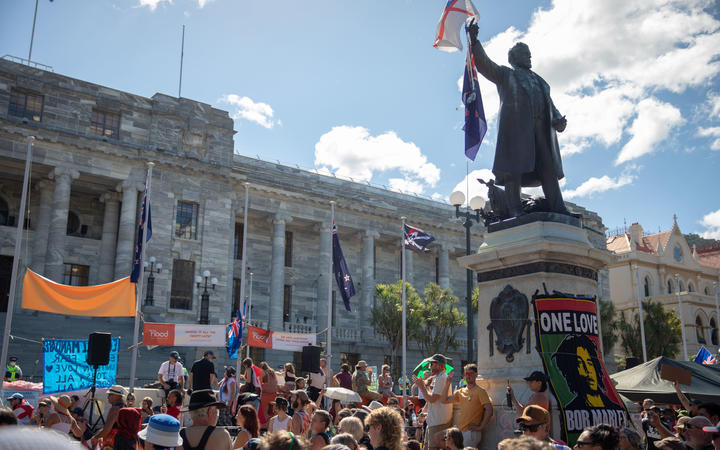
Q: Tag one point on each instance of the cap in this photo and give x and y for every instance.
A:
(534, 415)
(536, 376)
(116, 389)
(12, 358)
(209, 352)
(438, 358)
(175, 355)
(16, 395)
(203, 399)
(714, 429)
(362, 363)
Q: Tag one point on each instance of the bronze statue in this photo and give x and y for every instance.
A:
(527, 152)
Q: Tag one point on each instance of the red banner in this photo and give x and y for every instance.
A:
(278, 340)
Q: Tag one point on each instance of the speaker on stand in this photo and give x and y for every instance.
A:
(311, 359)
(98, 354)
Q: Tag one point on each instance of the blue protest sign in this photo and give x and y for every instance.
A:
(65, 368)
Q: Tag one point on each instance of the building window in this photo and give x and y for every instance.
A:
(681, 286)
(699, 330)
(713, 332)
(707, 290)
(647, 286)
(76, 275)
(26, 105)
(237, 303)
(287, 302)
(288, 248)
(186, 220)
(104, 123)
(73, 223)
(4, 212)
(670, 287)
(181, 291)
(437, 270)
(239, 228)
(691, 288)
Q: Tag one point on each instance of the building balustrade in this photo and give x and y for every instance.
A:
(347, 334)
(298, 327)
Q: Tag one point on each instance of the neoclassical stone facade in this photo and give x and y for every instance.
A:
(91, 148)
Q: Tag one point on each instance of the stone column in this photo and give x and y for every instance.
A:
(662, 282)
(126, 231)
(409, 272)
(55, 257)
(324, 268)
(368, 283)
(277, 272)
(444, 266)
(42, 227)
(109, 236)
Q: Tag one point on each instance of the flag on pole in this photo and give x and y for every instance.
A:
(340, 269)
(705, 357)
(417, 239)
(475, 122)
(454, 15)
(235, 331)
(137, 262)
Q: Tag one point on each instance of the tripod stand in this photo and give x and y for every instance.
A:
(92, 426)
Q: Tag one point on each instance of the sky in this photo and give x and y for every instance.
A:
(355, 89)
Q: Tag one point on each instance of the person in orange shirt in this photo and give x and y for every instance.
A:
(474, 408)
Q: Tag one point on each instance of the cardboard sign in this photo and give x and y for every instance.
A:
(65, 367)
(182, 335)
(673, 373)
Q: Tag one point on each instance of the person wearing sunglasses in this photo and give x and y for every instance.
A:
(598, 437)
(714, 434)
(535, 422)
(697, 437)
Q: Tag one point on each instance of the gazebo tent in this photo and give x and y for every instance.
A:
(643, 381)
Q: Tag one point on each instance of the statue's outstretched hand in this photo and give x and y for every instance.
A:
(560, 124)
(472, 28)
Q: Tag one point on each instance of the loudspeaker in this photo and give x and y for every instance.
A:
(311, 359)
(99, 345)
(631, 362)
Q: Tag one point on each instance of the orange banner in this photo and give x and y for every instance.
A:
(116, 299)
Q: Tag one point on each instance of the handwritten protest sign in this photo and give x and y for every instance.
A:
(65, 367)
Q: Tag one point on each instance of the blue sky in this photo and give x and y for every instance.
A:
(356, 89)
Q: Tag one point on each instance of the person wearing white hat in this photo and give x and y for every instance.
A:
(116, 397)
(162, 431)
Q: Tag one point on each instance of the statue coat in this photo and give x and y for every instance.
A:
(515, 150)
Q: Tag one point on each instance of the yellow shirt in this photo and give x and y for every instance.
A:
(470, 402)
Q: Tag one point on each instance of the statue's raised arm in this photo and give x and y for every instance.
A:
(483, 63)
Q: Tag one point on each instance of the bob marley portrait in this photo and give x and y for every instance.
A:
(577, 359)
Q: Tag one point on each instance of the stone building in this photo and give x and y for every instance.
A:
(662, 267)
(89, 163)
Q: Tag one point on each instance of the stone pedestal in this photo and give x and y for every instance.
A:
(540, 251)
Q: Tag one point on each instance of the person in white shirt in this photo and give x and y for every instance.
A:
(170, 374)
(439, 415)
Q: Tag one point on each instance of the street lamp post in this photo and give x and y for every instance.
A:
(205, 298)
(153, 268)
(457, 198)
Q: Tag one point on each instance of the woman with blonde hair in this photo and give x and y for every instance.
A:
(352, 426)
(385, 429)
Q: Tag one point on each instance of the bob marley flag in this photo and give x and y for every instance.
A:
(568, 342)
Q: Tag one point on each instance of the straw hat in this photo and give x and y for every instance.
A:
(61, 404)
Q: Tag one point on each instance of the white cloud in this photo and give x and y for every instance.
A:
(711, 132)
(351, 152)
(595, 185)
(471, 187)
(246, 108)
(152, 4)
(652, 125)
(711, 222)
(202, 3)
(603, 59)
(714, 105)
(438, 197)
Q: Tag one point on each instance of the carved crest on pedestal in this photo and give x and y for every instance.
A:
(508, 319)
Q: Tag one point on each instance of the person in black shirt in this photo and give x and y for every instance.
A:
(202, 374)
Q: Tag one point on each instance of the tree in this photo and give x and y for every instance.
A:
(608, 325)
(663, 334)
(386, 315)
(440, 318)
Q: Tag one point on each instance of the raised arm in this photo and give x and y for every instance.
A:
(683, 399)
(483, 63)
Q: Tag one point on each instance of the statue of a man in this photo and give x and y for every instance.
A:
(527, 152)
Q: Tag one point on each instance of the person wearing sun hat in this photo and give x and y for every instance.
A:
(116, 397)
(203, 410)
(61, 420)
(162, 431)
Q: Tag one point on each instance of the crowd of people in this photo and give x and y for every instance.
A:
(263, 408)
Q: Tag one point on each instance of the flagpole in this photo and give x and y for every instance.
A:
(243, 269)
(141, 278)
(248, 311)
(404, 313)
(642, 316)
(328, 349)
(16, 254)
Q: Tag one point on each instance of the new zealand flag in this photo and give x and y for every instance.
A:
(235, 331)
(340, 269)
(475, 122)
(417, 239)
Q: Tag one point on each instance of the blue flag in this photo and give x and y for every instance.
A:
(475, 122)
(137, 263)
(704, 356)
(235, 331)
(340, 269)
(417, 239)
